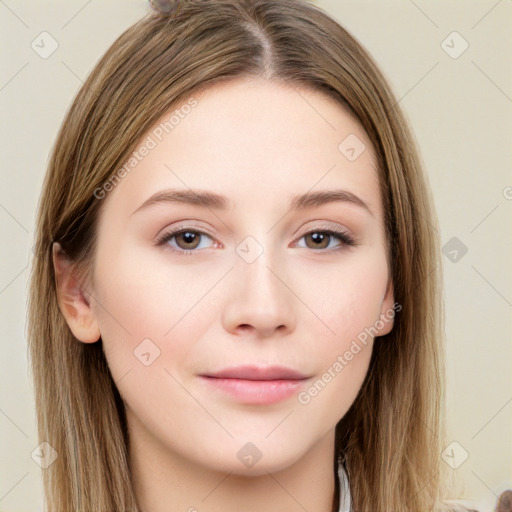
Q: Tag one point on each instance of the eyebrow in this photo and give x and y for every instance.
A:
(215, 201)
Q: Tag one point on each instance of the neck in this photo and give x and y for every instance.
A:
(165, 481)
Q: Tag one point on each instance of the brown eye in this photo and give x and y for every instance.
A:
(318, 240)
(321, 239)
(185, 241)
(190, 239)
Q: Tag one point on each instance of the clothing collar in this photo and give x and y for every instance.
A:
(345, 502)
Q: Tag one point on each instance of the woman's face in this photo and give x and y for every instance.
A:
(234, 300)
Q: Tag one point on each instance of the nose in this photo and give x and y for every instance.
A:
(260, 301)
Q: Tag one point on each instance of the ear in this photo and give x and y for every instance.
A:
(388, 310)
(74, 300)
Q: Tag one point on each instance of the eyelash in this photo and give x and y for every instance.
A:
(341, 235)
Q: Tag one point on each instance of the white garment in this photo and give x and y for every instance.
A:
(345, 503)
(455, 505)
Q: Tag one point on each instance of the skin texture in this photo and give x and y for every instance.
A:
(258, 143)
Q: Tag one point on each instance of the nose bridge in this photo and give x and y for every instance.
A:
(259, 297)
(260, 277)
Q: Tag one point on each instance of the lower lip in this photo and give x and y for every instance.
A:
(260, 392)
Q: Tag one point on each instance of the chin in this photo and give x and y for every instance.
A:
(250, 459)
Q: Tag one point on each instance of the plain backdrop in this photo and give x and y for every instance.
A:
(449, 65)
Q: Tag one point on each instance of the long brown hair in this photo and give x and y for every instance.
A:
(389, 441)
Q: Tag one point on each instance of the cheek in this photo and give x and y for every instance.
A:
(347, 304)
(149, 327)
(150, 308)
(346, 298)
(330, 395)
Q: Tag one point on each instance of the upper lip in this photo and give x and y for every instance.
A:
(257, 373)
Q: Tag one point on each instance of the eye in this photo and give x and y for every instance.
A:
(183, 241)
(321, 239)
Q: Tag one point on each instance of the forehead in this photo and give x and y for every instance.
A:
(254, 141)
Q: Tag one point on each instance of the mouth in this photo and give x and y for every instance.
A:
(256, 385)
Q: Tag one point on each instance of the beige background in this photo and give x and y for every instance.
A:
(460, 109)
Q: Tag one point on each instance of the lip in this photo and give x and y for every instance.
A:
(258, 373)
(256, 385)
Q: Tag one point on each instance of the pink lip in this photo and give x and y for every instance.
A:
(256, 385)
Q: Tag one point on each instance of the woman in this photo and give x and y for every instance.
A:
(235, 300)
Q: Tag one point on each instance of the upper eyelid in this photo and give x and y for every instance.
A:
(327, 226)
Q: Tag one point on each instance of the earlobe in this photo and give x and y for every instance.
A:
(74, 300)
